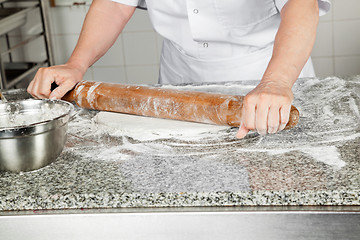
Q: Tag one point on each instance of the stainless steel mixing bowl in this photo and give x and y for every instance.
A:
(30, 147)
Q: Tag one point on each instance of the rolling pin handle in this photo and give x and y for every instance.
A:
(293, 118)
(70, 96)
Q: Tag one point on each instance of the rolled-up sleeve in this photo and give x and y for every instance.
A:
(134, 3)
(324, 5)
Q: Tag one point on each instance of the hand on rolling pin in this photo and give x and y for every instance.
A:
(102, 26)
(65, 76)
(266, 108)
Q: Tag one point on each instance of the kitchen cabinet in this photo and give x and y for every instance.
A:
(13, 15)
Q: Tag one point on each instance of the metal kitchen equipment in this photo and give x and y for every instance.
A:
(256, 223)
(13, 15)
(11, 18)
(30, 147)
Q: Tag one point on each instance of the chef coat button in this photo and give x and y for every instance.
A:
(196, 11)
(205, 45)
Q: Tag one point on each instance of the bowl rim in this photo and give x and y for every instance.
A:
(18, 128)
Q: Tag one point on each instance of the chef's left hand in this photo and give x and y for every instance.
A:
(266, 108)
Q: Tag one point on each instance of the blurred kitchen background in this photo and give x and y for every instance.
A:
(134, 58)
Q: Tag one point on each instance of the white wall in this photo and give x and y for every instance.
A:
(134, 58)
(337, 48)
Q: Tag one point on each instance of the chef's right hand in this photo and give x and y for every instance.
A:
(65, 76)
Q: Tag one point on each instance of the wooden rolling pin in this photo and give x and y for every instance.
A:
(219, 109)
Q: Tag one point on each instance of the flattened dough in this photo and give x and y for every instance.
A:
(148, 128)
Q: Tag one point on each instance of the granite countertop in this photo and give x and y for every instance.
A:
(315, 163)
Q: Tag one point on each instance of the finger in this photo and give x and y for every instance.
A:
(284, 116)
(243, 131)
(273, 119)
(262, 119)
(248, 116)
(44, 88)
(30, 87)
(34, 88)
(61, 90)
(42, 84)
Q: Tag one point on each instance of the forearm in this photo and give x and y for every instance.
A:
(103, 23)
(294, 41)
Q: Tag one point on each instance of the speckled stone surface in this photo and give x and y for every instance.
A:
(316, 163)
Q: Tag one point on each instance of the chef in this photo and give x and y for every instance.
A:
(208, 41)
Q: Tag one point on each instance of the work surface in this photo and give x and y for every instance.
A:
(315, 163)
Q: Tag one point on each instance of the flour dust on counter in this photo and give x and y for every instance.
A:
(149, 128)
(326, 120)
(314, 163)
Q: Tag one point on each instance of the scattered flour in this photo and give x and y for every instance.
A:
(148, 128)
(326, 154)
(91, 94)
(354, 107)
(329, 117)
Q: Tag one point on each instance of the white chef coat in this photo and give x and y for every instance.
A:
(216, 40)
